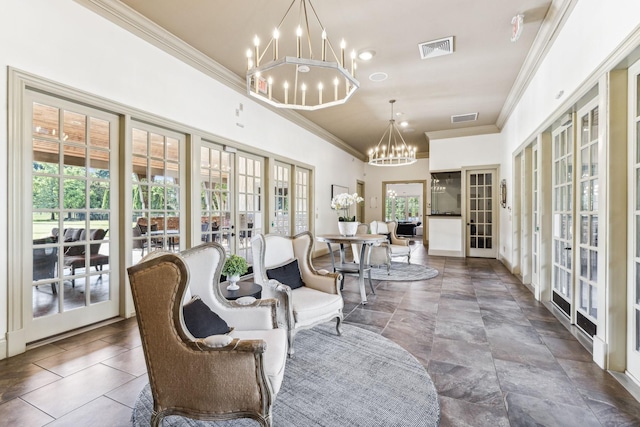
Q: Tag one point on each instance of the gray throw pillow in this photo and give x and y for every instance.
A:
(288, 274)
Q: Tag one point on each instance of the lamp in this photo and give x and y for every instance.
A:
(392, 194)
(392, 150)
(298, 79)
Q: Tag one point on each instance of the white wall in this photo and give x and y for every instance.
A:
(456, 153)
(65, 42)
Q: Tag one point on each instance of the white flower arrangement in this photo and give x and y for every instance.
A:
(342, 203)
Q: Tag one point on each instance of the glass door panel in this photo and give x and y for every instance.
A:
(281, 181)
(535, 208)
(480, 214)
(562, 228)
(156, 184)
(250, 216)
(72, 155)
(302, 203)
(587, 239)
(216, 189)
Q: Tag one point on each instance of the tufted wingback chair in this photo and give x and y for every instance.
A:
(220, 377)
(318, 301)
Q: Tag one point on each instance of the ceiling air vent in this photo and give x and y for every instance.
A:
(436, 48)
(471, 117)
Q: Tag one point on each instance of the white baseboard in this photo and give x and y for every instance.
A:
(506, 263)
(600, 352)
(3, 349)
(439, 252)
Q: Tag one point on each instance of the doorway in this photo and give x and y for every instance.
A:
(405, 202)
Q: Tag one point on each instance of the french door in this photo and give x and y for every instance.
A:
(562, 229)
(535, 220)
(250, 204)
(575, 256)
(71, 259)
(217, 219)
(633, 273)
(481, 233)
(280, 223)
(587, 209)
(157, 180)
(302, 200)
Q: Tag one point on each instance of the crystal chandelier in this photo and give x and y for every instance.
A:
(392, 150)
(298, 79)
(392, 194)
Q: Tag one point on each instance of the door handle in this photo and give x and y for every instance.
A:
(567, 248)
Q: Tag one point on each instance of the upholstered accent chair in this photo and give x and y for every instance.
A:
(315, 301)
(396, 247)
(217, 377)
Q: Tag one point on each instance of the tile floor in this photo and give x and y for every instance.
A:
(496, 356)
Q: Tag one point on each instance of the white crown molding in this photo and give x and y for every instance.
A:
(462, 132)
(558, 13)
(132, 21)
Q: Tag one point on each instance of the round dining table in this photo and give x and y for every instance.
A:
(366, 240)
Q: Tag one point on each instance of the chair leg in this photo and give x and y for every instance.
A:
(290, 336)
(338, 325)
(373, 291)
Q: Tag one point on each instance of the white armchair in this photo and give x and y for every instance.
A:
(382, 254)
(318, 301)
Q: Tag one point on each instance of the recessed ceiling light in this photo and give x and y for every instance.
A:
(366, 55)
(404, 124)
(378, 77)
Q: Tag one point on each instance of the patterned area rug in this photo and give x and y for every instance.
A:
(357, 379)
(402, 272)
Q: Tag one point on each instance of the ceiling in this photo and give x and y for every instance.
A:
(482, 75)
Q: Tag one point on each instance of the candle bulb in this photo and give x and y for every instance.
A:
(353, 62)
(355, 67)
(299, 41)
(257, 80)
(270, 81)
(286, 92)
(304, 92)
(320, 93)
(324, 45)
(342, 46)
(276, 36)
(336, 82)
(256, 43)
(249, 61)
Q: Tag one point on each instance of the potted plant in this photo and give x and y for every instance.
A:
(342, 203)
(234, 267)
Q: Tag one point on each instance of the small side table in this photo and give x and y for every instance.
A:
(247, 289)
